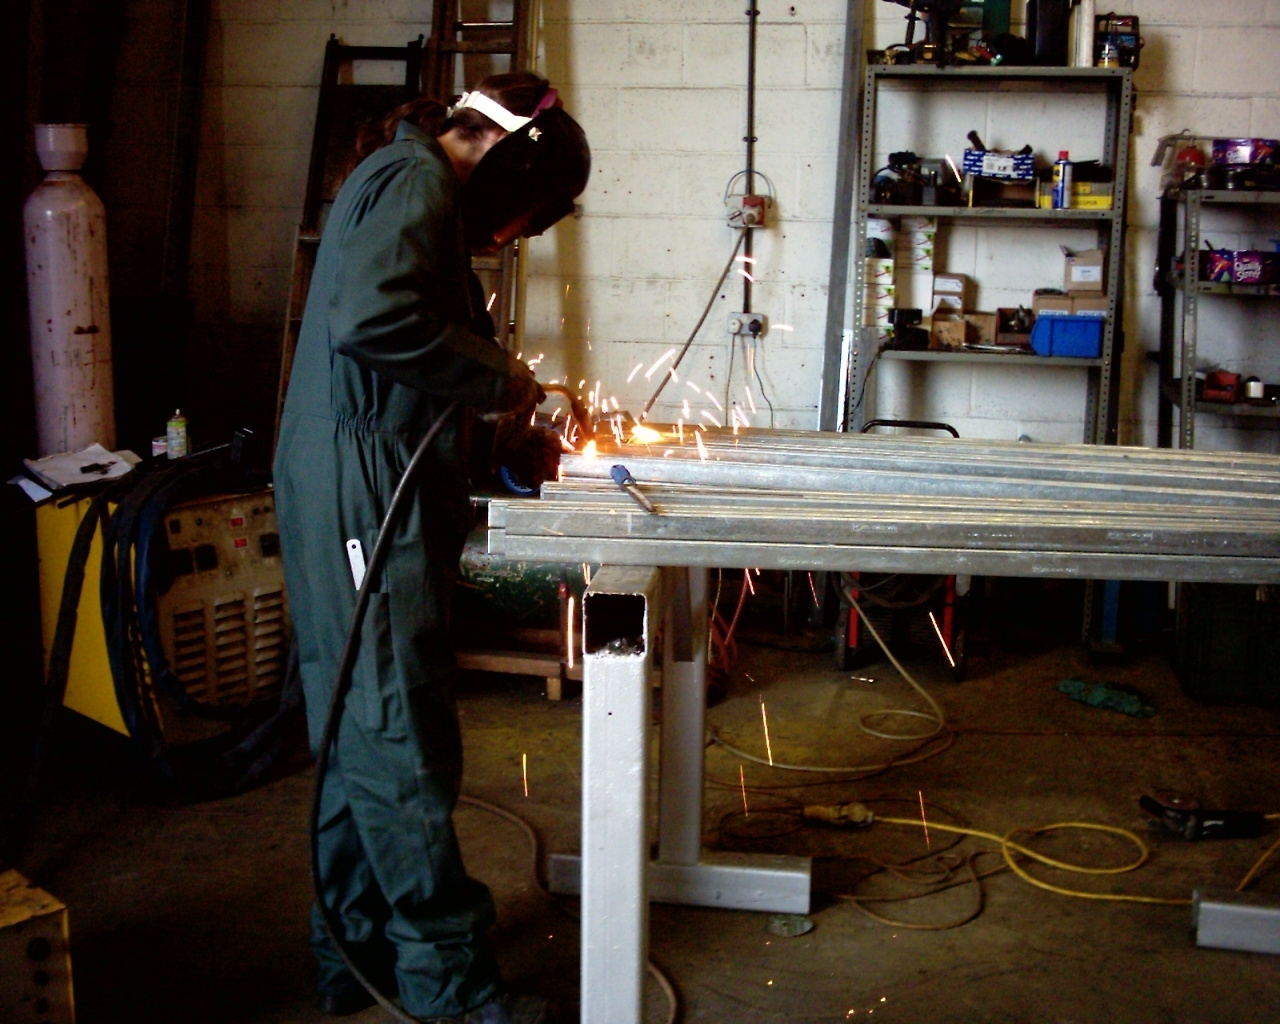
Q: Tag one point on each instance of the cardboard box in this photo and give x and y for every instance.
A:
(1085, 271)
(35, 957)
(1051, 302)
(1089, 305)
(1006, 330)
(991, 163)
(958, 331)
(950, 293)
(877, 270)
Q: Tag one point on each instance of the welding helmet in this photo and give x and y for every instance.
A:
(527, 181)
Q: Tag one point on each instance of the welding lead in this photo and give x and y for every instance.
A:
(623, 478)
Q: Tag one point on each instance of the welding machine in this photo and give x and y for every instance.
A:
(220, 609)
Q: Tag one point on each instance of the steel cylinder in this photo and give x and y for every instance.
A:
(66, 245)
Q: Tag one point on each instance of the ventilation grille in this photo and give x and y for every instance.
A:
(231, 648)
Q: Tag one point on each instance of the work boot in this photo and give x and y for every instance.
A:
(505, 1009)
(345, 1002)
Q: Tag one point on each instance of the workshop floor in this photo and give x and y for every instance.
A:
(196, 913)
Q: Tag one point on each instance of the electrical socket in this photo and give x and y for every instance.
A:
(750, 325)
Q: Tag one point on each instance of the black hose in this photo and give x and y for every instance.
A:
(341, 684)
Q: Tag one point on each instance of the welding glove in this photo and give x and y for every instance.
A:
(522, 393)
(531, 453)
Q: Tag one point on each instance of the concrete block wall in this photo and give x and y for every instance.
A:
(661, 90)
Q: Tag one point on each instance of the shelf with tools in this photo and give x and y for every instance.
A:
(1187, 276)
(925, 104)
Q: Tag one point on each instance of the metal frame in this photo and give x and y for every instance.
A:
(797, 500)
(1193, 203)
(1102, 394)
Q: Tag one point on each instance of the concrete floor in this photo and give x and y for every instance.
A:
(196, 913)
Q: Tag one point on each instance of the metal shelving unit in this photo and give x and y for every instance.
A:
(1103, 372)
(1179, 330)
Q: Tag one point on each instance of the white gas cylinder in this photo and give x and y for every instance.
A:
(66, 237)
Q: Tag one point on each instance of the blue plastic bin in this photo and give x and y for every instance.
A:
(1068, 336)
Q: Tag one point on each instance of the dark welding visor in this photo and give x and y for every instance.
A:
(527, 181)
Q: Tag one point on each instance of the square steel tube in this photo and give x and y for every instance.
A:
(621, 611)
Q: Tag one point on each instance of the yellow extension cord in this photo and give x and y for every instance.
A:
(1009, 849)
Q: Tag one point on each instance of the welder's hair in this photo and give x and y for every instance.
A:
(519, 91)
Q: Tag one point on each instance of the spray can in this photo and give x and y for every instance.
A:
(176, 434)
(1062, 182)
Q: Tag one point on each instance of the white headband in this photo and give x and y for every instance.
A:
(491, 109)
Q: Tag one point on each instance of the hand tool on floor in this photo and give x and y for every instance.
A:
(1184, 817)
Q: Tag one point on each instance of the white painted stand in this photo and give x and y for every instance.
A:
(614, 875)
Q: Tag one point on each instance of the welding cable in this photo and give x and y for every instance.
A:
(342, 684)
(696, 327)
(535, 872)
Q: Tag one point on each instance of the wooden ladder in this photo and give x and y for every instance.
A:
(342, 107)
(458, 54)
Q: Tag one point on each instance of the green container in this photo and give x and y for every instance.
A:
(1227, 642)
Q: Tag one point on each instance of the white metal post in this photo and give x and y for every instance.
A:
(684, 705)
(620, 611)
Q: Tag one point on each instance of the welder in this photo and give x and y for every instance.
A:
(394, 332)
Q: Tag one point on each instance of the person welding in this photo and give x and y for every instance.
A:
(394, 332)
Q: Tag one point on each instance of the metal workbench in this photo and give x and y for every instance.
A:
(804, 500)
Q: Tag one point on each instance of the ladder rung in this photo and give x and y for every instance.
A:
(469, 26)
(462, 46)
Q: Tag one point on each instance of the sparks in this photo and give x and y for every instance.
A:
(569, 632)
(582, 383)
(695, 387)
(744, 273)
(813, 590)
(680, 430)
(764, 717)
(783, 327)
(674, 378)
(745, 259)
(555, 412)
(524, 771)
(658, 362)
(945, 649)
(645, 435)
(533, 418)
(742, 779)
(714, 402)
(706, 413)
(702, 449)
(750, 586)
(923, 822)
(685, 411)
(586, 574)
(750, 400)
(492, 299)
(590, 450)
(636, 369)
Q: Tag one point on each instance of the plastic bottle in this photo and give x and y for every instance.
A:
(1062, 182)
(176, 435)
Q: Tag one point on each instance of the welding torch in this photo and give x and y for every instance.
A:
(576, 408)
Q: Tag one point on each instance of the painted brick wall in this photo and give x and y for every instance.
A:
(661, 91)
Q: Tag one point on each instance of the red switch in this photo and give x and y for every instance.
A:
(242, 542)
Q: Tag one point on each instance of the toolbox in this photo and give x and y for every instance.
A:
(1079, 336)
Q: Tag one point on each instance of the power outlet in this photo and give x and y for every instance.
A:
(751, 325)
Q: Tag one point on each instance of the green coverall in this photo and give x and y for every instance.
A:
(386, 343)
